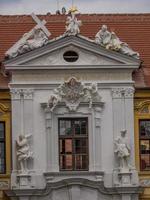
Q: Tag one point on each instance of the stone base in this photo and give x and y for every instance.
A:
(125, 178)
(24, 180)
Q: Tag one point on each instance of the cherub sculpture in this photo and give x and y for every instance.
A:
(91, 92)
(55, 98)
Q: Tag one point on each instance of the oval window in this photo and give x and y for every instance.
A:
(70, 56)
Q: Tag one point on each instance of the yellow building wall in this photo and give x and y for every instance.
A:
(141, 111)
(5, 116)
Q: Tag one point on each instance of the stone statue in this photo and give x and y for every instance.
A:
(37, 39)
(103, 37)
(122, 150)
(23, 152)
(114, 43)
(73, 25)
(55, 98)
(109, 40)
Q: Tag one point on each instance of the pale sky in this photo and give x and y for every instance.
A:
(84, 6)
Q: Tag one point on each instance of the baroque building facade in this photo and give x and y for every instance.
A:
(73, 108)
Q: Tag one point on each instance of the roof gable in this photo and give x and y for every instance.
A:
(90, 55)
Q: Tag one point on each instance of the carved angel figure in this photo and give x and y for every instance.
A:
(73, 25)
(55, 98)
(122, 150)
(91, 93)
(23, 151)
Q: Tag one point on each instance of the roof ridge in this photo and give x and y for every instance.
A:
(89, 14)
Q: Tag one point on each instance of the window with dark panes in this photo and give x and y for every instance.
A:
(73, 144)
(144, 127)
(2, 147)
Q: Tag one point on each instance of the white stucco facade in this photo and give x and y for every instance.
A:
(35, 75)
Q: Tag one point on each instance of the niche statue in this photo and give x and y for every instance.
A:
(23, 152)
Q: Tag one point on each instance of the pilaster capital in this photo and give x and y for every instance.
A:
(28, 93)
(118, 93)
(17, 93)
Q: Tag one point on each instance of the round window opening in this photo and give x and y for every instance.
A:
(70, 56)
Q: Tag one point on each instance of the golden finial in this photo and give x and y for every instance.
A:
(73, 10)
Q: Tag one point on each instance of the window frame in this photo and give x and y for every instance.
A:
(74, 137)
(143, 139)
(4, 142)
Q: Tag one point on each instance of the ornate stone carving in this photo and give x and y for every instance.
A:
(25, 93)
(73, 25)
(120, 92)
(28, 93)
(122, 151)
(109, 40)
(129, 92)
(15, 93)
(23, 152)
(37, 37)
(72, 93)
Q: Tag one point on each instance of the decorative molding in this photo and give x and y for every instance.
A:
(28, 93)
(142, 106)
(15, 93)
(81, 182)
(129, 93)
(98, 112)
(73, 92)
(3, 108)
(118, 93)
(109, 40)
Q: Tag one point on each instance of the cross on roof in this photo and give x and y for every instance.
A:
(40, 24)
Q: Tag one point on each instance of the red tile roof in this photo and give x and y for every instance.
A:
(133, 29)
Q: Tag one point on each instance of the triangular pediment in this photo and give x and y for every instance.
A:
(89, 55)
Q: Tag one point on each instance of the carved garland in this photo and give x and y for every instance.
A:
(72, 92)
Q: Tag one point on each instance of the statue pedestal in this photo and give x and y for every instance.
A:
(24, 180)
(124, 178)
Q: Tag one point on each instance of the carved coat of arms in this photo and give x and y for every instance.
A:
(72, 92)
